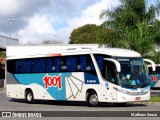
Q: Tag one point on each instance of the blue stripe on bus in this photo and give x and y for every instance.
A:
(54, 90)
(58, 94)
(91, 79)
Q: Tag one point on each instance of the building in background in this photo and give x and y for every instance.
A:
(4, 42)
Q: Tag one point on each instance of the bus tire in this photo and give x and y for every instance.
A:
(29, 97)
(92, 99)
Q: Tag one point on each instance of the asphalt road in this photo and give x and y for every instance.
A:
(8, 104)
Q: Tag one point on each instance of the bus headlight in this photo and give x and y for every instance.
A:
(120, 90)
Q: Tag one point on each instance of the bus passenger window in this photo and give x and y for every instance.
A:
(100, 62)
(83, 63)
(92, 66)
(38, 65)
(57, 64)
(49, 65)
(12, 66)
(17, 66)
(63, 64)
(71, 64)
(25, 66)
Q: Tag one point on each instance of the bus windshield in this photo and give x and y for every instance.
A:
(133, 73)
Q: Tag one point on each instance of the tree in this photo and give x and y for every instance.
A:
(135, 25)
(156, 32)
(107, 36)
(141, 38)
(131, 12)
(84, 35)
(132, 25)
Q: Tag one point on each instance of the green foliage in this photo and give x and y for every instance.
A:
(156, 32)
(155, 57)
(131, 12)
(84, 35)
(130, 25)
(154, 99)
(108, 36)
(135, 25)
(2, 54)
(140, 38)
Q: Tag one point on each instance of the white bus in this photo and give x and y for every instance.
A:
(154, 76)
(76, 73)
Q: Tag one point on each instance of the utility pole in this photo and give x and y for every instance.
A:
(10, 22)
(54, 37)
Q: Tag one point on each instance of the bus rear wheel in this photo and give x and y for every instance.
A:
(29, 97)
(92, 99)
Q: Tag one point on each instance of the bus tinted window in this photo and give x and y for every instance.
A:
(99, 60)
(150, 70)
(107, 68)
(77, 63)
(57, 64)
(17, 65)
(154, 72)
(38, 65)
(158, 69)
(71, 63)
(23, 66)
(49, 64)
(11, 66)
(83, 63)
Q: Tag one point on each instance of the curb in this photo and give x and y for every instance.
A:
(145, 102)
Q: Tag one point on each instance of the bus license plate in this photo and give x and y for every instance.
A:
(138, 98)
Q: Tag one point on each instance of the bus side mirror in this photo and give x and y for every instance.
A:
(152, 64)
(117, 64)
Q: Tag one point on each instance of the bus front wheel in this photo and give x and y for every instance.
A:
(92, 99)
(29, 96)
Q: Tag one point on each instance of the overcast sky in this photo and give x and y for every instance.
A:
(38, 20)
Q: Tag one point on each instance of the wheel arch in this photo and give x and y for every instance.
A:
(90, 90)
(27, 89)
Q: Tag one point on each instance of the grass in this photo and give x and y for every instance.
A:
(154, 99)
(1, 54)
